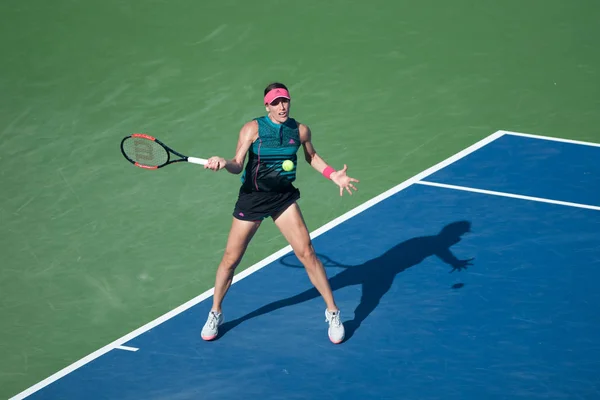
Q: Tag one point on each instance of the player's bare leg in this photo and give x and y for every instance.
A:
(240, 235)
(291, 224)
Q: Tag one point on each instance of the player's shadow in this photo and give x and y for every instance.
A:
(377, 275)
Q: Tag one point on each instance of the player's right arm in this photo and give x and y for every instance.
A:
(248, 134)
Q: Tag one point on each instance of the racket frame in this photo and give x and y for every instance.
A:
(193, 160)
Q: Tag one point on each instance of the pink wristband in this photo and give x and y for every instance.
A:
(328, 171)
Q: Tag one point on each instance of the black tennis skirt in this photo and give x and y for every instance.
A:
(256, 206)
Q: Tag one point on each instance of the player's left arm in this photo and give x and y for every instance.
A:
(310, 154)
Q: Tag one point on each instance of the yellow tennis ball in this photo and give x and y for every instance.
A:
(287, 165)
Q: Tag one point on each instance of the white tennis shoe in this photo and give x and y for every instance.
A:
(336, 328)
(211, 328)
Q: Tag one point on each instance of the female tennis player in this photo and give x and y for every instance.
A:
(271, 143)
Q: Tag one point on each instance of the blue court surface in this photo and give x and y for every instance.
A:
(521, 322)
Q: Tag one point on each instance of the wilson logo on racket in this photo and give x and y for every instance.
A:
(147, 152)
(143, 149)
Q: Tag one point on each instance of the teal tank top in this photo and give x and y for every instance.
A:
(275, 144)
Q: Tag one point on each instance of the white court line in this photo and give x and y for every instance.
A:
(119, 342)
(511, 195)
(554, 139)
(127, 348)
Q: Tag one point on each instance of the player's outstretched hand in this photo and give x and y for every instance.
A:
(215, 163)
(344, 181)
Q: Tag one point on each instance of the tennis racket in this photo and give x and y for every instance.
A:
(147, 152)
(290, 260)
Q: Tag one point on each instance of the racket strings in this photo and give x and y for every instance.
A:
(145, 152)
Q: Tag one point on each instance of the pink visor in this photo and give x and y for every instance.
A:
(275, 94)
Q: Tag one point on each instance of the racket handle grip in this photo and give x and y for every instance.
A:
(196, 160)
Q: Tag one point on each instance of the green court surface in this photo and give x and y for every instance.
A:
(93, 248)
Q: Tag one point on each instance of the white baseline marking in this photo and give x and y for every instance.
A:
(119, 342)
(579, 142)
(511, 195)
(127, 348)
